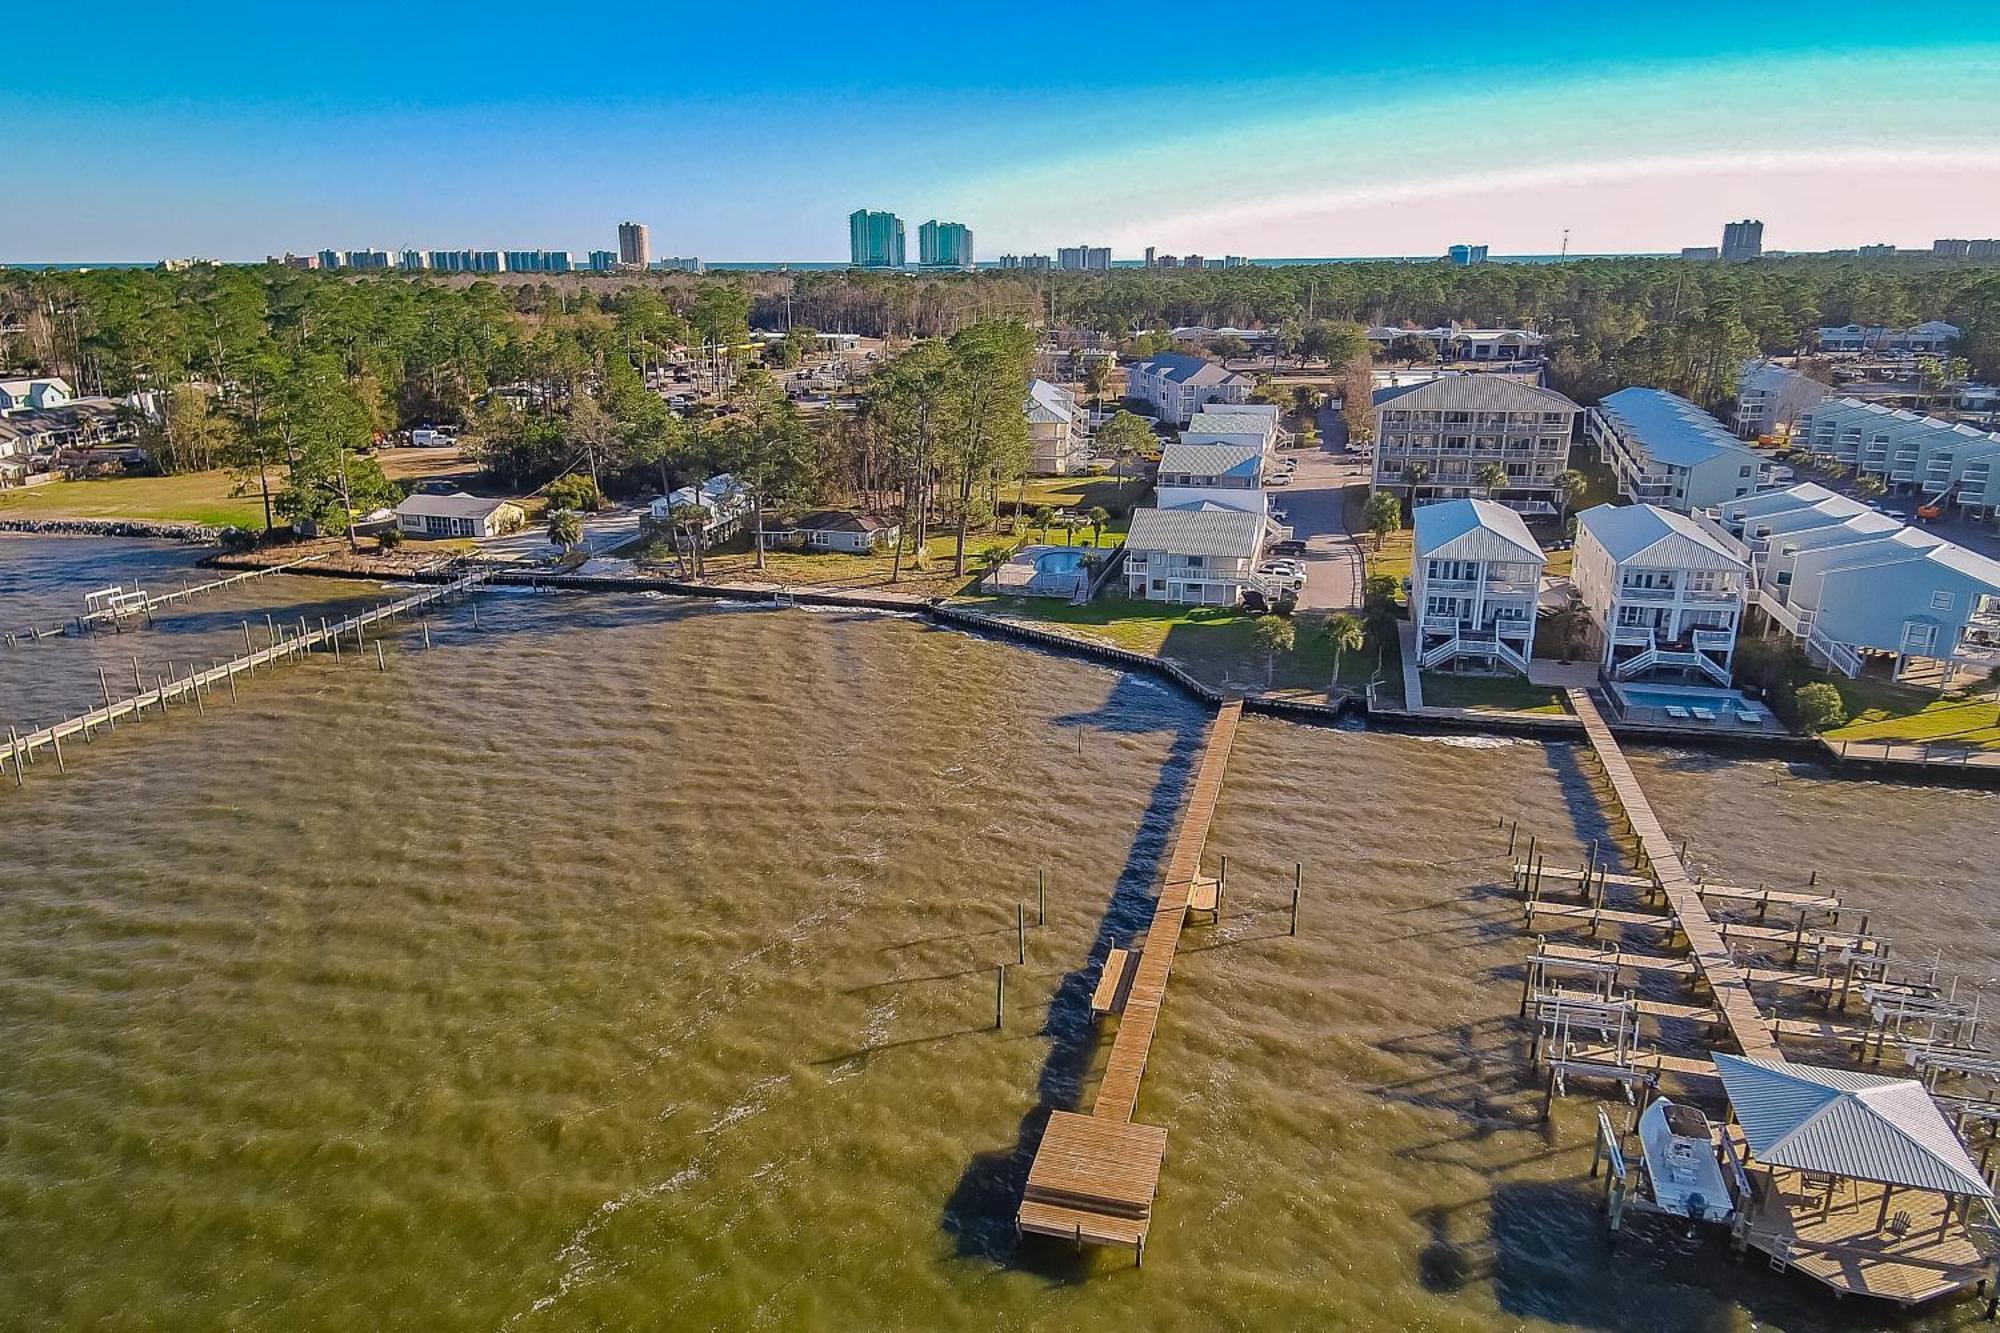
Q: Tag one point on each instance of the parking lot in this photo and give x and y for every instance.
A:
(1315, 506)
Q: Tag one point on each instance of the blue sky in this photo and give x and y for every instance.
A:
(748, 132)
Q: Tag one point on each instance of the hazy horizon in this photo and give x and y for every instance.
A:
(1339, 132)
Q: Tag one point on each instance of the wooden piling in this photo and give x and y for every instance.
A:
(61, 767)
(14, 739)
(1298, 883)
(1041, 898)
(381, 664)
(999, 996)
(1020, 932)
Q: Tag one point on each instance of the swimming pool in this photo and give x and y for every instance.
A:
(1690, 696)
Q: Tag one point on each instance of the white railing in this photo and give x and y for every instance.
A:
(1506, 653)
(1437, 653)
(1713, 640)
(1830, 653)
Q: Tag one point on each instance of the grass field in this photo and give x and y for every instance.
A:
(1506, 693)
(191, 497)
(1877, 711)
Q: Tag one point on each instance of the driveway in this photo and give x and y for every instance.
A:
(1316, 504)
(601, 532)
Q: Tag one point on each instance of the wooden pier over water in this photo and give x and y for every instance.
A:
(1662, 860)
(110, 606)
(1094, 1176)
(20, 750)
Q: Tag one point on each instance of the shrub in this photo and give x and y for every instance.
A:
(389, 538)
(1818, 706)
(574, 492)
(238, 540)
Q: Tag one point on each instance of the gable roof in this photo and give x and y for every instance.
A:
(1476, 393)
(457, 504)
(1049, 404)
(1220, 532)
(1656, 536)
(1208, 460)
(832, 520)
(1671, 429)
(1229, 423)
(1861, 1126)
(1473, 530)
(1184, 369)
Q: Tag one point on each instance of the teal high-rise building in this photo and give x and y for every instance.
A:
(874, 240)
(944, 245)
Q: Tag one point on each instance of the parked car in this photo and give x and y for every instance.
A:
(1282, 479)
(1281, 516)
(1288, 548)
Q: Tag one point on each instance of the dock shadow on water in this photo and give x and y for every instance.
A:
(979, 1214)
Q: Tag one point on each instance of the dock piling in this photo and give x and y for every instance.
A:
(381, 664)
(1020, 932)
(1298, 883)
(1041, 898)
(999, 996)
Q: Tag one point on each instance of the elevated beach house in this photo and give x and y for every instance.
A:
(1206, 555)
(1666, 451)
(1664, 592)
(1212, 476)
(1058, 430)
(1473, 585)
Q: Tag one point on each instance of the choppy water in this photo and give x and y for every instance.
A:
(629, 963)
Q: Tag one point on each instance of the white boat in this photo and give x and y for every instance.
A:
(1681, 1163)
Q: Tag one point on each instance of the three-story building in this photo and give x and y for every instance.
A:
(1664, 592)
(1474, 581)
(1436, 440)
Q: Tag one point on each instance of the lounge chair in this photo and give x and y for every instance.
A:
(1677, 713)
(1703, 714)
(1750, 717)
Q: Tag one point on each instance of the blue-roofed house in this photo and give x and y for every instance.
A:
(1474, 581)
(1175, 386)
(1666, 451)
(1664, 591)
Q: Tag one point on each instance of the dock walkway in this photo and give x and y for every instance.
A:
(1661, 859)
(1094, 1176)
(20, 750)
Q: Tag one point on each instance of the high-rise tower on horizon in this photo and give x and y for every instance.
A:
(874, 240)
(944, 245)
(635, 245)
(1742, 240)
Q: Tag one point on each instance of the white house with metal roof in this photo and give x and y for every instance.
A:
(1432, 440)
(1207, 556)
(1474, 580)
(1946, 464)
(1176, 386)
(1227, 475)
(1666, 451)
(1230, 425)
(1664, 591)
(1851, 583)
(1058, 430)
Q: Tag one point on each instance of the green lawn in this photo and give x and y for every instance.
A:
(190, 497)
(1508, 693)
(1878, 711)
(1216, 644)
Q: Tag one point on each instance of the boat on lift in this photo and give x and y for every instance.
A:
(1683, 1168)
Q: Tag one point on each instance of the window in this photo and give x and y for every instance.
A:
(1196, 561)
(1159, 585)
(1942, 600)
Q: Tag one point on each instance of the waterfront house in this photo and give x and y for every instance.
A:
(1207, 556)
(1175, 386)
(1664, 592)
(1235, 424)
(1433, 439)
(1947, 465)
(1853, 585)
(725, 500)
(1226, 476)
(457, 514)
(1666, 451)
(1474, 580)
(846, 530)
(1058, 430)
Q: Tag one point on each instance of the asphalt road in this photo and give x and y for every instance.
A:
(601, 532)
(1315, 505)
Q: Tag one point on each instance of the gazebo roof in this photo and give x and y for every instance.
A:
(1861, 1126)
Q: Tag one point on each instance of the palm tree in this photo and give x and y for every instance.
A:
(1099, 516)
(1570, 484)
(1384, 515)
(1346, 633)
(1274, 634)
(1415, 474)
(1041, 518)
(1492, 477)
(565, 529)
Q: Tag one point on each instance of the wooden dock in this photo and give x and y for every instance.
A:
(1762, 897)
(1094, 1177)
(141, 603)
(1661, 859)
(196, 685)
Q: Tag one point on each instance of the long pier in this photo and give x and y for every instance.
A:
(139, 602)
(1094, 1176)
(20, 750)
(1662, 860)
